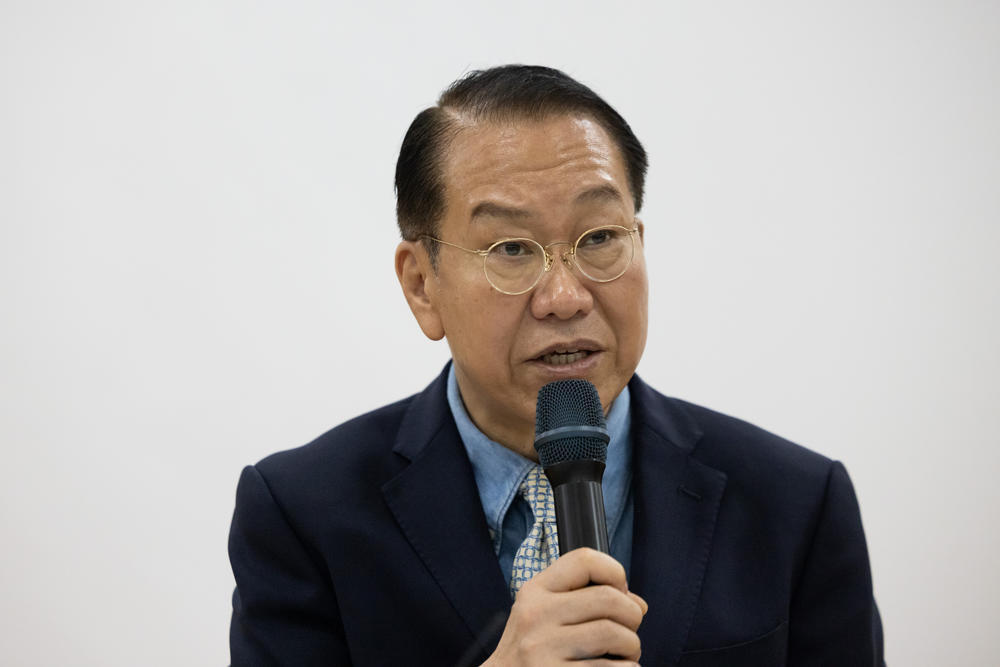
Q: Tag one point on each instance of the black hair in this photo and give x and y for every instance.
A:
(505, 93)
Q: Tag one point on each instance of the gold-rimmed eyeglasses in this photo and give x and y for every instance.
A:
(515, 265)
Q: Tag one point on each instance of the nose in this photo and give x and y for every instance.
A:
(560, 292)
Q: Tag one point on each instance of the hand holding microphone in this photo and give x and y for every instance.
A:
(579, 608)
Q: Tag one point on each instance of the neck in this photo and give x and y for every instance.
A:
(517, 437)
(518, 440)
(511, 430)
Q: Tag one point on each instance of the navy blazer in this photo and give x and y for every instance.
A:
(369, 547)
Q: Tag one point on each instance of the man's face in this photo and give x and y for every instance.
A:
(550, 181)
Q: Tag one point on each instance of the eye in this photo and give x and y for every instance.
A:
(512, 249)
(598, 237)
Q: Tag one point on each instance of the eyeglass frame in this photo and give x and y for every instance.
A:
(568, 258)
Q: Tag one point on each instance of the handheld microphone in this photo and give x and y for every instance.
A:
(571, 438)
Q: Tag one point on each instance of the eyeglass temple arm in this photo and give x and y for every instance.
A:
(481, 253)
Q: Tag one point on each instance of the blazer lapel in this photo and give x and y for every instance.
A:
(676, 503)
(436, 503)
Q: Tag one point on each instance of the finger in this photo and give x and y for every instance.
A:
(639, 601)
(582, 567)
(595, 602)
(602, 637)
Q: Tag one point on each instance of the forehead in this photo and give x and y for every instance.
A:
(531, 164)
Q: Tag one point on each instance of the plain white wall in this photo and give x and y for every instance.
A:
(196, 238)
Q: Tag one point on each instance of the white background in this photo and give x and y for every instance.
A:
(196, 238)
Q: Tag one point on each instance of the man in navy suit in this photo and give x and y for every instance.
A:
(390, 540)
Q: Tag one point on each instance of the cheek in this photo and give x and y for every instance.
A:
(632, 316)
(481, 329)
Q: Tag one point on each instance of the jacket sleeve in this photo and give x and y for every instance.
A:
(833, 618)
(284, 608)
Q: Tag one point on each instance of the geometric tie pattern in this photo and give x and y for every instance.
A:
(541, 547)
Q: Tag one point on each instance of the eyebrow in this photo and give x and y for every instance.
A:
(494, 210)
(599, 194)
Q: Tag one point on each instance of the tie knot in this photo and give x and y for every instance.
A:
(537, 491)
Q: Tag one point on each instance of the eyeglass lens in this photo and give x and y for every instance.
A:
(601, 254)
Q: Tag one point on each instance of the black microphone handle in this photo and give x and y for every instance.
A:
(579, 501)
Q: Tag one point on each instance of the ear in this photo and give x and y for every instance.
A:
(413, 268)
(642, 229)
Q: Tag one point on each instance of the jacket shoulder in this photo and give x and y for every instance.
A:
(759, 465)
(357, 451)
(737, 444)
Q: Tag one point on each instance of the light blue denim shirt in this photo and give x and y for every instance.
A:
(499, 472)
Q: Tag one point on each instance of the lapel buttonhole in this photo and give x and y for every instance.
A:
(688, 492)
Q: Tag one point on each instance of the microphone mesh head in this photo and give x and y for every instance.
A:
(569, 403)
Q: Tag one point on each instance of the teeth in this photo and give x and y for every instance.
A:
(562, 358)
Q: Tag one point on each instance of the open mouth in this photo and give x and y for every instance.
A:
(561, 358)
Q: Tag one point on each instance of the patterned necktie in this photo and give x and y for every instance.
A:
(541, 547)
